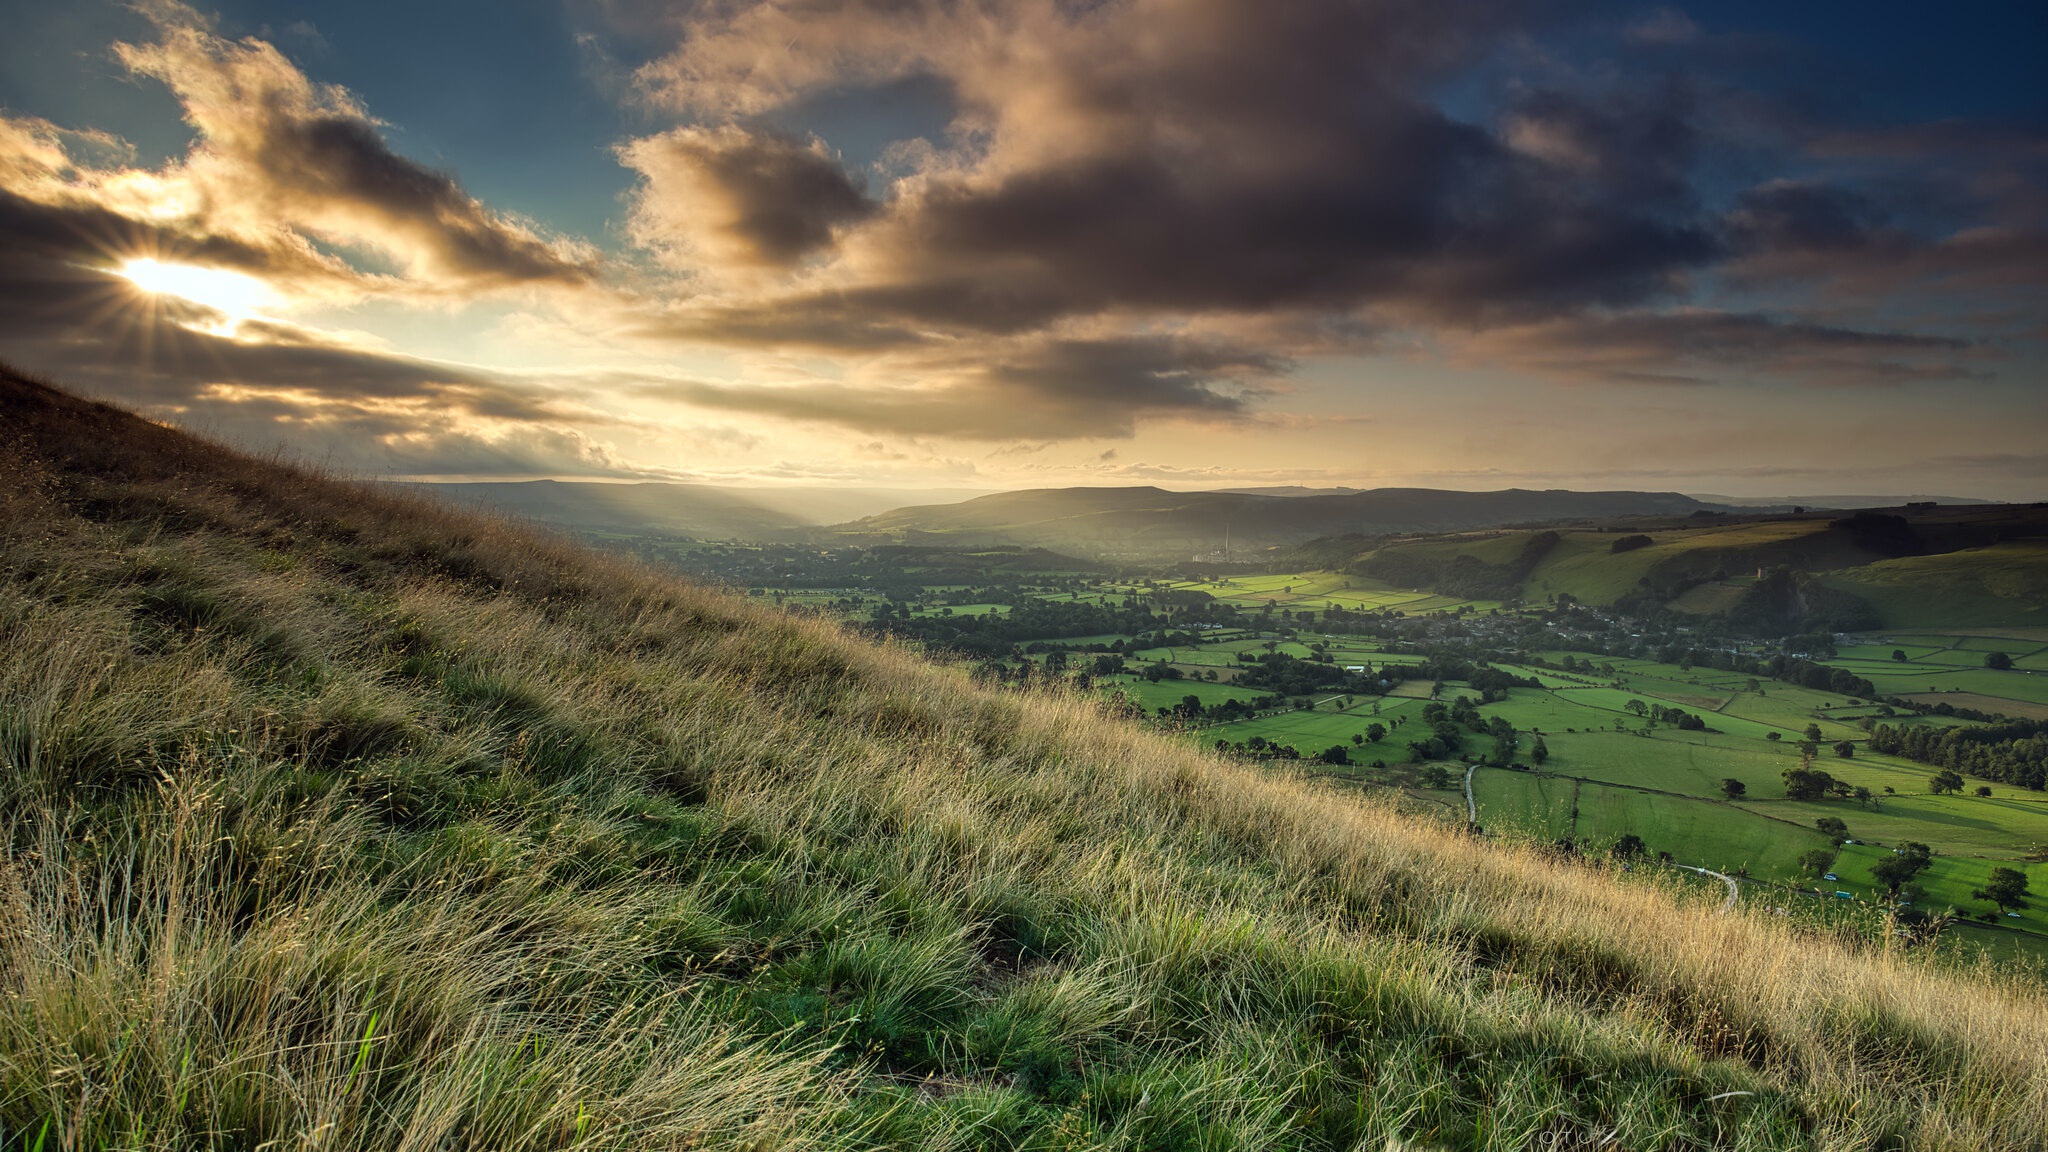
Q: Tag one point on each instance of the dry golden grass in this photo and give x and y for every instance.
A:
(335, 821)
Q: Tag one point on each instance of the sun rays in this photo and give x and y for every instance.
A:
(233, 295)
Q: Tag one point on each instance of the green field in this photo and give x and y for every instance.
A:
(1694, 831)
(1664, 784)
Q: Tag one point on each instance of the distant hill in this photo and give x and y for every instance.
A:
(1151, 522)
(1833, 503)
(1289, 490)
(1948, 565)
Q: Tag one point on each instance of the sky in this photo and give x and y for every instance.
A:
(1743, 248)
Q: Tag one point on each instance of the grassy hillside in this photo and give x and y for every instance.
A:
(2003, 585)
(1986, 567)
(341, 821)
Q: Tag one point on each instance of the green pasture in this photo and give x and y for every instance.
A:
(1150, 694)
(2002, 826)
(1313, 731)
(1691, 766)
(1697, 832)
(1947, 883)
(1322, 590)
(2029, 686)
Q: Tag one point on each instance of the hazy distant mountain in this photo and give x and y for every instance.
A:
(1789, 502)
(708, 511)
(1290, 490)
(1150, 521)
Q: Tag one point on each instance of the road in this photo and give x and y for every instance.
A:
(1471, 808)
(1733, 892)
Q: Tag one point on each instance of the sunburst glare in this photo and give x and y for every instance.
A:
(233, 294)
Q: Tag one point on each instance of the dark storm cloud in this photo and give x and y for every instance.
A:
(1217, 166)
(1954, 222)
(1703, 346)
(740, 197)
(1210, 156)
(1803, 216)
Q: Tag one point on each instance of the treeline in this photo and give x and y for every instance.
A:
(2011, 751)
(996, 633)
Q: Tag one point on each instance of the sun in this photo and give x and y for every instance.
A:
(232, 294)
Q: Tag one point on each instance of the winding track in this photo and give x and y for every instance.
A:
(1471, 809)
(1733, 891)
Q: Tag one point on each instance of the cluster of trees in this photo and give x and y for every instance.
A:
(998, 633)
(1678, 718)
(1288, 675)
(1447, 729)
(2009, 751)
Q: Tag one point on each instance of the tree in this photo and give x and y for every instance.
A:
(1630, 847)
(1539, 752)
(1836, 830)
(1998, 661)
(1816, 861)
(1845, 749)
(1774, 737)
(1336, 754)
(1812, 733)
(1375, 732)
(1908, 860)
(2007, 888)
(1357, 738)
(1983, 789)
(1899, 654)
(1637, 707)
(1944, 781)
(1807, 783)
(1733, 789)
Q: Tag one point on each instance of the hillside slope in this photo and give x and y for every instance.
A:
(343, 821)
(1944, 567)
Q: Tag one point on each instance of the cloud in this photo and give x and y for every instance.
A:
(1216, 169)
(1202, 156)
(64, 314)
(1032, 389)
(1705, 346)
(734, 197)
(1136, 211)
(276, 150)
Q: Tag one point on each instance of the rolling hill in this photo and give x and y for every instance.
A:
(344, 819)
(1153, 522)
(1949, 566)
